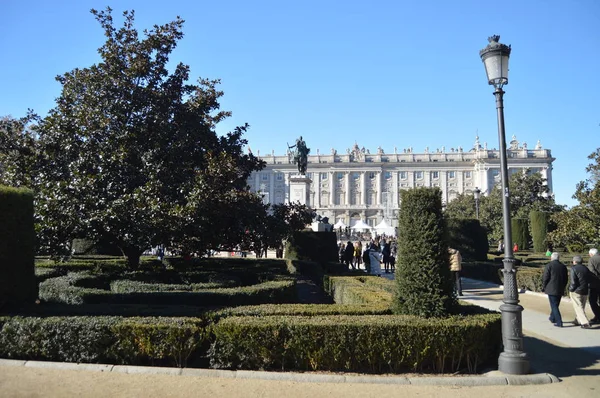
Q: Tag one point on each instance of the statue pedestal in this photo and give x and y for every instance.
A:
(300, 189)
(321, 227)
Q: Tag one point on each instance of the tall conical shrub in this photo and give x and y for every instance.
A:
(424, 285)
(520, 232)
(538, 222)
(17, 247)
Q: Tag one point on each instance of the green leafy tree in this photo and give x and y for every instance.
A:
(463, 206)
(130, 154)
(424, 285)
(580, 225)
(528, 192)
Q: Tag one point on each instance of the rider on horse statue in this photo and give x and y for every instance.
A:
(300, 155)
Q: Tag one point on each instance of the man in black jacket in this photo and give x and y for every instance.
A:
(554, 282)
(594, 297)
(579, 291)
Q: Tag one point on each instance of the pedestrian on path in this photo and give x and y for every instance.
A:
(594, 267)
(579, 291)
(455, 268)
(554, 281)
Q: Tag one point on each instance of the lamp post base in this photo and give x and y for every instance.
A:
(514, 364)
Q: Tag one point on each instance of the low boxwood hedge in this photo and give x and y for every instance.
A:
(78, 288)
(366, 343)
(360, 290)
(132, 341)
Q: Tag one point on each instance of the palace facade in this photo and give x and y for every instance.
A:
(359, 185)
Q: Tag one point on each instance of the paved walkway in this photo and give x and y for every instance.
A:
(570, 353)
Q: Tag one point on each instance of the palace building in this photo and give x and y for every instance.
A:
(359, 185)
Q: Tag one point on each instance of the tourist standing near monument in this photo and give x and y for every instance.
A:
(594, 267)
(579, 291)
(554, 281)
(455, 268)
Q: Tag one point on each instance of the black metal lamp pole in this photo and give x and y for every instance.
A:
(476, 194)
(512, 359)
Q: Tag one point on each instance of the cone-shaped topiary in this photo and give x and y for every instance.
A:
(424, 284)
(538, 222)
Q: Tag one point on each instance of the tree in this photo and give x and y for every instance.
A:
(579, 226)
(424, 285)
(130, 154)
(528, 192)
(463, 206)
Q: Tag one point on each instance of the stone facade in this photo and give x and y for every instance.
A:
(361, 185)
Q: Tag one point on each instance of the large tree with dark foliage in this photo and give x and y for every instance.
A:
(130, 154)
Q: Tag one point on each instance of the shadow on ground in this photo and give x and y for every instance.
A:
(546, 357)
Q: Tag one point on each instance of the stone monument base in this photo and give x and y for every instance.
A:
(300, 189)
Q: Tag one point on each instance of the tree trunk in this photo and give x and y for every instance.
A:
(132, 254)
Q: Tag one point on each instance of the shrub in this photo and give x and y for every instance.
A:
(319, 247)
(424, 285)
(520, 232)
(131, 341)
(18, 283)
(538, 222)
(468, 237)
(361, 343)
(360, 290)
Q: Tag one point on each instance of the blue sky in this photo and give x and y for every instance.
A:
(379, 73)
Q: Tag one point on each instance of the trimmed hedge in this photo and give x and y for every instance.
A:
(320, 247)
(131, 341)
(468, 237)
(520, 232)
(304, 310)
(425, 287)
(538, 222)
(84, 288)
(483, 271)
(18, 283)
(364, 343)
(360, 290)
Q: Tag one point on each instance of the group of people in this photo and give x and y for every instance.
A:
(584, 285)
(372, 254)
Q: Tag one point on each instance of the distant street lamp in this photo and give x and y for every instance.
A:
(513, 359)
(476, 194)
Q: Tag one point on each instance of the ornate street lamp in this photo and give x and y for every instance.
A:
(476, 195)
(513, 359)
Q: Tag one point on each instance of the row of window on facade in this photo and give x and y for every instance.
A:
(403, 175)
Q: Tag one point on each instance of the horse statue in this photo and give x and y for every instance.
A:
(300, 155)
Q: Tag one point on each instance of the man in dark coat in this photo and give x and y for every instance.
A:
(349, 254)
(580, 280)
(594, 293)
(554, 281)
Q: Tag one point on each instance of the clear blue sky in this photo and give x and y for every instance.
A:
(379, 73)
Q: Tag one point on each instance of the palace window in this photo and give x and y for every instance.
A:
(467, 174)
(451, 174)
(340, 176)
(324, 176)
(355, 176)
(388, 175)
(371, 175)
(435, 175)
(403, 175)
(264, 176)
(279, 176)
(419, 175)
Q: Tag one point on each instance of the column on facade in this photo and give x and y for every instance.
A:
(395, 190)
(271, 186)
(348, 176)
(256, 182)
(331, 189)
(317, 190)
(363, 188)
(379, 186)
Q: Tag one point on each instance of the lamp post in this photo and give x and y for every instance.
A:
(512, 359)
(476, 194)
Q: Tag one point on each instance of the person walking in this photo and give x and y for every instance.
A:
(349, 254)
(385, 253)
(594, 297)
(455, 268)
(554, 281)
(375, 260)
(358, 254)
(579, 291)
